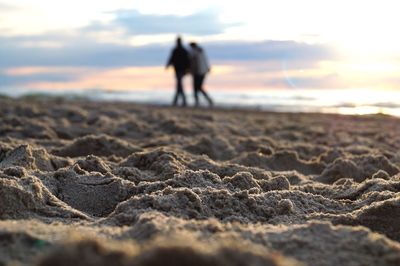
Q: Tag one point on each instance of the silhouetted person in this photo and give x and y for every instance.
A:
(179, 58)
(199, 67)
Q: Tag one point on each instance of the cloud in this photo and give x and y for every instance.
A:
(205, 22)
(269, 50)
(7, 80)
(6, 8)
(76, 50)
(79, 50)
(20, 76)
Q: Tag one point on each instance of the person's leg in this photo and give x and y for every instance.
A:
(179, 89)
(201, 89)
(200, 81)
(175, 99)
(196, 83)
(177, 84)
(210, 102)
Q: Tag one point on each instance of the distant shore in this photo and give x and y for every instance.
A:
(293, 101)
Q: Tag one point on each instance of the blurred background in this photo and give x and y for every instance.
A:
(309, 55)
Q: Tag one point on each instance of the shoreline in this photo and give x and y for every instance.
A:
(275, 101)
(218, 108)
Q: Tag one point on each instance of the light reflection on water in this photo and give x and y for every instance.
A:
(351, 101)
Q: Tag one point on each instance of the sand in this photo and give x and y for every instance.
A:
(89, 183)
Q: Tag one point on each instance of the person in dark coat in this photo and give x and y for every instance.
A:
(180, 60)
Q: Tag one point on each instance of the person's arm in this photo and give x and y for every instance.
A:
(206, 62)
(170, 60)
(188, 63)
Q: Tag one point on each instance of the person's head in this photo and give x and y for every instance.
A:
(195, 47)
(179, 41)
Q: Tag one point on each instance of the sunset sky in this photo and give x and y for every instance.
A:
(123, 45)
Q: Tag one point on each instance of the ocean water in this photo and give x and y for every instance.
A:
(351, 101)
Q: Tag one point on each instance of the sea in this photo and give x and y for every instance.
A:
(341, 101)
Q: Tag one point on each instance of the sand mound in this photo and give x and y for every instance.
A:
(160, 162)
(244, 206)
(226, 169)
(358, 168)
(92, 193)
(27, 197)
(94, 164)
(97, 145)
(21, 156)
(322, 248)
(131, 129)
(174, 125)
(260, 144)
(215, 147)
(156, 185)
(283, 160)
(15, 243)
(242, 181)
(28, 158)
(163, 252)
(381, 217)
(310, 242)
(72, 113)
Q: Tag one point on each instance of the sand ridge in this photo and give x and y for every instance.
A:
(225, 186)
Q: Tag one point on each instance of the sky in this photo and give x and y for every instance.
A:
(252, 45)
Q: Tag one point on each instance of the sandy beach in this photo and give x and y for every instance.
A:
(97, 183)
